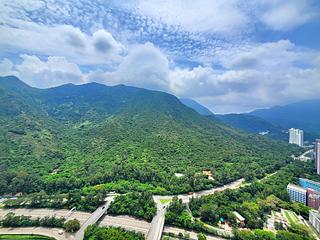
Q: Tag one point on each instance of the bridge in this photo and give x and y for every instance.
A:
(157, 224)
(95, 216)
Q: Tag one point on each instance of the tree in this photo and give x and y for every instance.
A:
(72, 225)
(207, 213)
(201, 236)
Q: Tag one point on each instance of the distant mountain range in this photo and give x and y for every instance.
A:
(275, 121)
(69, 136)
(304, 115)
(254, 124)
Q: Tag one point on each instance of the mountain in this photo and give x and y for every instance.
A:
(71, 136)
(254, 124)
(196, 106)
(304, 115)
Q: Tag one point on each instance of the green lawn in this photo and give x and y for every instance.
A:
(164, 201)
(292, 217)
(24, 237)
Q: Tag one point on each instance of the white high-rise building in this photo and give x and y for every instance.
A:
(317, 155)
(296, 136)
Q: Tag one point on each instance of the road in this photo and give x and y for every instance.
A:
(95, 216)
(43, 212)
(155, 231)
(126, 222)
(49, 232)
(186, 197)
(193, 235)
(303, 157)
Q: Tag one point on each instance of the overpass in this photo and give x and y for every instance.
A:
(157, 224)
(95, 216)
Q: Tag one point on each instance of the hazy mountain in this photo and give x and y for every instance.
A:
(72, 135)
(254, 124)
(304, 115)
(196, 106)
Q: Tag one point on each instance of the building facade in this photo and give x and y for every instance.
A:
(297, 193)
(314, 219)
(296, 136)
(317, 155)
(313, 198)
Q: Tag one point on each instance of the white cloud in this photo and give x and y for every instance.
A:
(61, 40)
(197, 16)
(238, 87)
(43, 74)
(6, 68)
(285, 15)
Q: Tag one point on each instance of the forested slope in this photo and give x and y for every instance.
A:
(70, 136)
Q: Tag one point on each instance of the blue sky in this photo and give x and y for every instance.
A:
(231, 56)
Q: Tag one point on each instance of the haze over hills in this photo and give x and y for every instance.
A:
(304, 115)
(73, 135)
(202, 110)
(254, 124)
(273, 122)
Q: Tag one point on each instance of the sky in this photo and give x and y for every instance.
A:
(230, 56)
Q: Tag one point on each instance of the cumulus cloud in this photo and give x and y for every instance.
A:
(237, 87)
(61, 40)
(39, 73)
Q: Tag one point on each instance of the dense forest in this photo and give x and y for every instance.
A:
(94, 232)
(70, 137)
(140, 205)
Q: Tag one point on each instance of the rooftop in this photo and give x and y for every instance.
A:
(311, 181)
(238, 216)
(290, 185)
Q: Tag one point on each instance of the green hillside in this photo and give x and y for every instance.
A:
(70, 136)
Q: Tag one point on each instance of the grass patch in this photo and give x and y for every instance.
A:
(292, 217)
(24, 237)
(165, 201)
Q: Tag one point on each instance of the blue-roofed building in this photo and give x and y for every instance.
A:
(306, 183)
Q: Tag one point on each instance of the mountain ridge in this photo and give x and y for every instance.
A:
(75, 135)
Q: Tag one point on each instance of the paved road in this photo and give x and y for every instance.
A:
(95, 216)
(155, 231)
(186, 197)
(49, 232)
(43, 212)
(304, 157)
(126, 222)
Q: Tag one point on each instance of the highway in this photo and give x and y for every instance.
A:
(49, 232)
(43, 212)
(95, 216)
(126, 222)
(152, 230)
(155, 231)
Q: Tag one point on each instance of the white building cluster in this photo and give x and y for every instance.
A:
(296, 136)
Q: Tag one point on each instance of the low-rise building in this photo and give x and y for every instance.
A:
(297, 193)
(240, 220)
